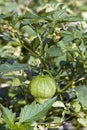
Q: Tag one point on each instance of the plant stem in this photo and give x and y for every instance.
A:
(33, 53)
(29, 49)
(67, 86)
(80, 52)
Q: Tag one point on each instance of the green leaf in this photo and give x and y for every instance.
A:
(27, 29)
(70, 19)
(16, 82)
(9, 120)
(8, 117)
(77, 106)
(67, 37)
(58, 60)
(35, 111)
(28, 16)
(14, 67)
(83, 121)
(54, 51)
(82, 94)
(58, 104)
(24, 126)
(57, 14)
(9, 7)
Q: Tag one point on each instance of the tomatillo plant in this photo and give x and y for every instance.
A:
(42, 88)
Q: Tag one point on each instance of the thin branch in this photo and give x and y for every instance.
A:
(27, 2)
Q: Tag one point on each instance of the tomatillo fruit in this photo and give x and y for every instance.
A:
(42, 88)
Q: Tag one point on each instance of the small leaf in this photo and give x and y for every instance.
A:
(81, 91)
(28, 16)
(35, 111)
(83, 121)
(16, 82)
(58, 104)
(8, 117)
(76, 106)
(57, 14)
(59, 59)
(54, 51)
(9, 7)
(70, 19)
(13, 67)
(24, 126)
(27, 29)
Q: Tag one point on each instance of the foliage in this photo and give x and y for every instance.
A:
(28, 114)
(48, 37)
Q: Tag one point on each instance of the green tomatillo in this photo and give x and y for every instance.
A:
(42, 88)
